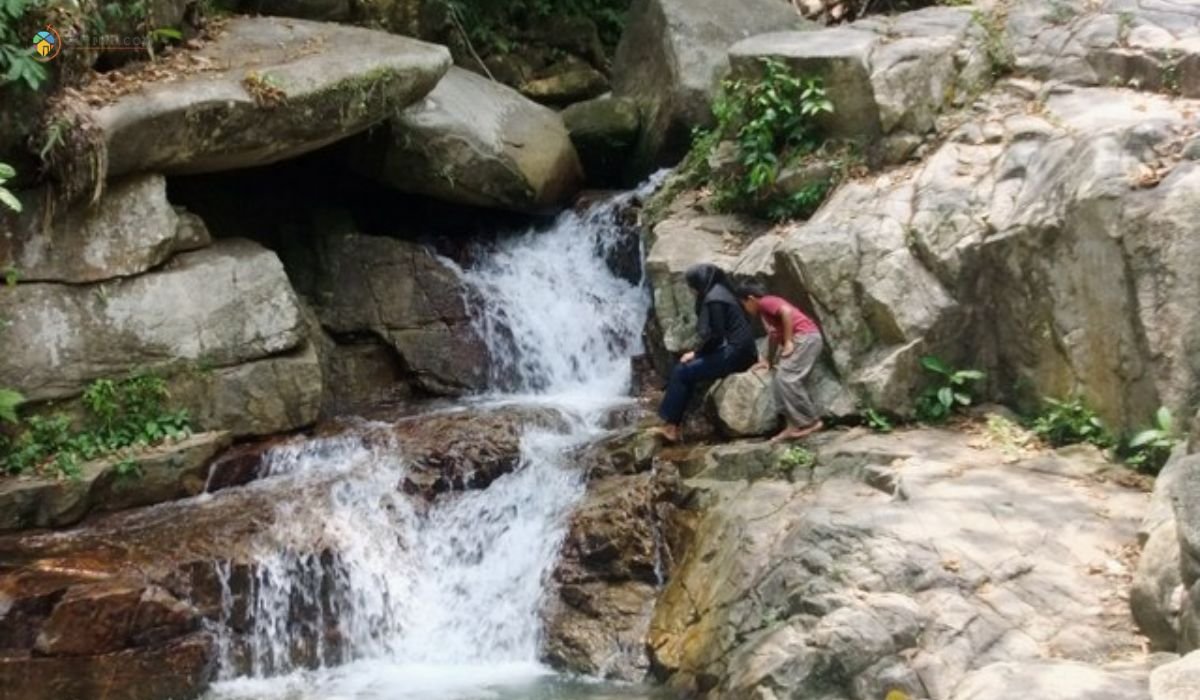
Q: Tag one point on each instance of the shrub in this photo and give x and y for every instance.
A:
(1067, 422)
(121, 417)
(17, 64)
(797, 457)
(772, 123)
(1149, 449)
(876, 421)
(950, 391)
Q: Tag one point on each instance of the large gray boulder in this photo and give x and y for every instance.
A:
(214, 308)
(744, 404)
(478, 142)
(671, 59)
(278, 88)
(1178, 680)
(604, 131)
(884, 76)
(402, 294)
(130, 230)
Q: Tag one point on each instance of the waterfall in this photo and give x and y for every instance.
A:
(402, 599)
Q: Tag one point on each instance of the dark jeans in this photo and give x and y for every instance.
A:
(720, 363)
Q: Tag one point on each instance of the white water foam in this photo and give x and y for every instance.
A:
(400, 600)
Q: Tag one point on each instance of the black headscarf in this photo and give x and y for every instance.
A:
(720, 318)
(710, 284)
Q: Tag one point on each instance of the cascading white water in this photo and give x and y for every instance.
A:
(401, 601)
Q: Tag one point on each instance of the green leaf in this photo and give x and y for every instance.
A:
(945, 396)
(1163, 420)
(962, 399)
(9, 402)
(933, 364)
(7, 171)
(970, 374)
(1144, 438)
(10, 200)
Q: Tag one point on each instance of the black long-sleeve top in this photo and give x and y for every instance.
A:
(720, 323)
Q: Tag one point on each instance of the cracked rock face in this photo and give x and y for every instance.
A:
(962, 572)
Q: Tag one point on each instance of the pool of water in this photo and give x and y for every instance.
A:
(377, 680)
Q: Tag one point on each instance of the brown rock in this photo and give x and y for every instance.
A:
(462, 450)
(608, 576)
(100, 618)
(179, 670)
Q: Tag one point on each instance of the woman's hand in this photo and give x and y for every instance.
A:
(761, 364)
(687, 357)
(787, 349)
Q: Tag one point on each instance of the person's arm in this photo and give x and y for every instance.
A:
(766, 361)
(712, 327)
(786, 330)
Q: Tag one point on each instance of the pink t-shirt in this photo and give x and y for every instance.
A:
(770, 310)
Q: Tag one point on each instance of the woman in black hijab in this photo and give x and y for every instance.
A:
(726, 344)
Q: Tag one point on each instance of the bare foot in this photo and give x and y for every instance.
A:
(671, 433)
(798, 433)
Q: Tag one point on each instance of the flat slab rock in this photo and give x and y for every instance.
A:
(964, 557)
(167, 472)
(278, 88)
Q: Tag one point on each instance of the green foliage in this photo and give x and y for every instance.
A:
(121, 417)
(492, 25)
(17, 64)
(1000, 55)
(797, 457)
(876, 421)
(1149, 449)
(772, 123)
(950, 392)
(7, 198)
(9, 402)
(1067, 422)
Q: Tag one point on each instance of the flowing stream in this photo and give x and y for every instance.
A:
(405, 600)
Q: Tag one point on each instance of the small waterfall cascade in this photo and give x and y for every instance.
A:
(361, 591)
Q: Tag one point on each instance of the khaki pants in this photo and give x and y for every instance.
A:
(790, 372)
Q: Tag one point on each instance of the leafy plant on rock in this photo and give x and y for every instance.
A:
(7, 198)
(950, 392)
(121, 418)
(797, 457)
(772, 122)
(1149, 449)
(10, 401)
(876, 421)
(1070, 421)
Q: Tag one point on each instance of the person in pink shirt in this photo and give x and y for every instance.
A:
(797, 339)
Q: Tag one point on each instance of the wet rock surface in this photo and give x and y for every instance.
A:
(612, 563)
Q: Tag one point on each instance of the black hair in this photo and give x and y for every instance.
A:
(751, 288)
